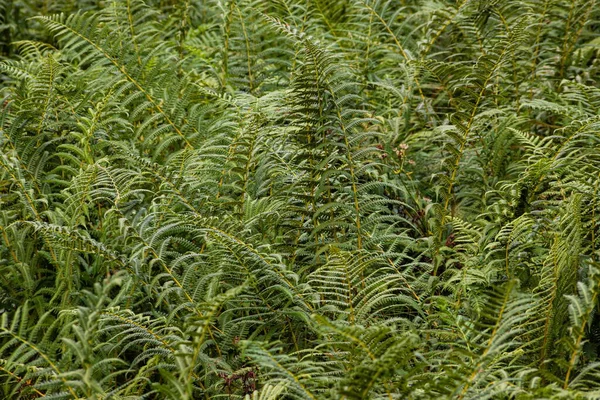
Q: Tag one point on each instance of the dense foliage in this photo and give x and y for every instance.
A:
(300, 199)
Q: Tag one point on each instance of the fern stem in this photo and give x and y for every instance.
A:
(580, 336)
(19, 379)
(400, 47)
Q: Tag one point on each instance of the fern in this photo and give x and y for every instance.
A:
(307, 199)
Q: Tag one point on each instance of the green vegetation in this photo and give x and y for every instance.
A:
(300, 199)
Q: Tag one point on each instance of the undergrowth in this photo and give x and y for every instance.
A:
(299, 199)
